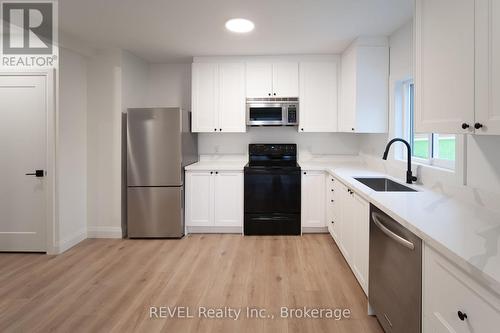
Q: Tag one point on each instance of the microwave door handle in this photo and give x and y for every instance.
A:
(400, 240)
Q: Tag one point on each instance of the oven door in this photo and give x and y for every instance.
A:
(272, 190)
(265, 114)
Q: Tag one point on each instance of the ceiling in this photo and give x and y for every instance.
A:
(176, 30)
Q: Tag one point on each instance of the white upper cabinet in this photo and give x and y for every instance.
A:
(264, 79)
(318, 96)
(232, 97)
(487, 115)
(259, 80)
(364, 89)
(205, 102)
(285, 79)
(218, 97)
(444, 72)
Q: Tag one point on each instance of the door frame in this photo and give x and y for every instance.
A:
(51, 130)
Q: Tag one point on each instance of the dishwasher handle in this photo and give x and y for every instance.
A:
(377, 220)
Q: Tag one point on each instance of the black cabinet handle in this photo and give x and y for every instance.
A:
(332, 190)
(211, 172)
(215, 129)
(301, 129)
(465, 126)
(274, 94)
(37, 173)
(220, 129)
(462, 315)
(216, 172)
(331, 200)
(478, 125)
(269, 94)
(352, 128)
(305, 173)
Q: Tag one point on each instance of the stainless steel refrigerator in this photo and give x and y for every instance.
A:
(159, 146)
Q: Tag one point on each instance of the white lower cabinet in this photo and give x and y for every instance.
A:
(313, 199)
(214, 199)
(453, 301)
(349, 224)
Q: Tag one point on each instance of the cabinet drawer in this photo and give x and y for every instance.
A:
(448, 290)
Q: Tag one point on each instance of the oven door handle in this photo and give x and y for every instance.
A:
(400, 240)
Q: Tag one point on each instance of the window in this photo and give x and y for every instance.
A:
(428, 148)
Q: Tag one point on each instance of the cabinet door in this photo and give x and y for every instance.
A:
(259, 76)
(205, 97)
(286, 79)
(444, 72)
(347, 110)
(199, 199)
(232, 97)
(347, 226)
(313, 199)
(318, 97)
(446, 290)
(228, 199)
(361, 221)
(488, 66)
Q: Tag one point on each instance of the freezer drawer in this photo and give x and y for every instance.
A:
(155, 212)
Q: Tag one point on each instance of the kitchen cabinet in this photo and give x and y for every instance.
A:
(313, 199)
(214, 199)
(218, 97)
(361, 220)
(279, 79)
(350, 229)
(318, 96)
(453, 301)
(487, 103)
(444, 66)
(364, 87)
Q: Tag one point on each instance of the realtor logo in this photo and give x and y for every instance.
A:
(29, 33)
(27, 28)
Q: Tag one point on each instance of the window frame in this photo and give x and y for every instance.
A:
(408, 117)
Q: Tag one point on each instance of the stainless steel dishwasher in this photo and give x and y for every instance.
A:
(395, 274)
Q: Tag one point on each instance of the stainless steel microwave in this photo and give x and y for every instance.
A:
(272, 111)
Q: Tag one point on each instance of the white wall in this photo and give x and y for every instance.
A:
(104, 144)
(135, 81)
(315, 143)
(169, 85)
(72, 149)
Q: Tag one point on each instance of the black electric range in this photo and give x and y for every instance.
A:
(272, 190)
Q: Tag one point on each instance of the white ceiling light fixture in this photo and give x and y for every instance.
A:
(240, 25)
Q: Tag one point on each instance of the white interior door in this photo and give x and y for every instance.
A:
(23, 148)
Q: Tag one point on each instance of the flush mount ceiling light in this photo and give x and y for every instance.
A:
(240, 25)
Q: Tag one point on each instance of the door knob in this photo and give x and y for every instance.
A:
(462, 315)
(37, 173)
(478, 125)
(465, 126)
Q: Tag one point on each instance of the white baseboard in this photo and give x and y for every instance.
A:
(104, 232)
(69, 242)
(314, 230)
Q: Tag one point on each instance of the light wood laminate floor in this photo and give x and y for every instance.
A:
(105, 285)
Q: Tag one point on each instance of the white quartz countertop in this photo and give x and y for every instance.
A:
(218, 163)
(464, 232)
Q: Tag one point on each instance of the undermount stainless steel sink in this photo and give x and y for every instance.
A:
(384, 185)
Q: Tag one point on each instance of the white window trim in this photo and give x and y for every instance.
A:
(399, 155)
